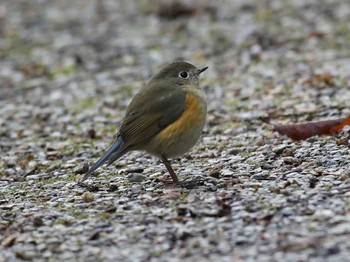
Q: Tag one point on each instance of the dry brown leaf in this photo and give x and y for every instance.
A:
(306, 130)
(339, 127)
(319, 79)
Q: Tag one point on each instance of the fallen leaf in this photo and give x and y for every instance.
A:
(319, 79)
(306, 130)
(339, 127)
(9, 241)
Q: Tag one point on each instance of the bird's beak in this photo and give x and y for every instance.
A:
(200, 70)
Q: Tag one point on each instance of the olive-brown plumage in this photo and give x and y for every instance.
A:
(165, 118)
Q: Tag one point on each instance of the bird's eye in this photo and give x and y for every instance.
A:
(184, 75)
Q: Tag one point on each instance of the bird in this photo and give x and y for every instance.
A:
(165, 118)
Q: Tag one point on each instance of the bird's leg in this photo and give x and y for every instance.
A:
(170, 170)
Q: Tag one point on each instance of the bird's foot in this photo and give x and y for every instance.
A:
(182, 184)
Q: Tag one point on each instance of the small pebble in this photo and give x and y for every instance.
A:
(87, 197)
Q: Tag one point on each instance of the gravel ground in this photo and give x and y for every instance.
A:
(68, 69)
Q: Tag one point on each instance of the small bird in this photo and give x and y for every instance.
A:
(165, 118)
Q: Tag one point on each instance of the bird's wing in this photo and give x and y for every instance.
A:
(149, 113)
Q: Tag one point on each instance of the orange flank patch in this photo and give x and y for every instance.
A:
(192, 115)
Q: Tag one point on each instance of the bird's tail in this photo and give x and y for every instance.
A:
(111, 151)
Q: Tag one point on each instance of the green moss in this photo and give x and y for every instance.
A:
(156, 253)
(264, 15)
(328, 187)
(62, 221)
(87, 102)
(183, 197)
(80, 243)
(14, 46)
(146, 6)
(125, 91)
(105, 216)
(23, 186)
(245, 154)
(63, 71)
(78, 215)
(270, 207)
(49, 181)
(71, 178)
(253, 162)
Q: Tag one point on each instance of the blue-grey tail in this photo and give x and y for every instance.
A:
(111, 151)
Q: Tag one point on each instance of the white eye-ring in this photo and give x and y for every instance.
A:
(184, 75)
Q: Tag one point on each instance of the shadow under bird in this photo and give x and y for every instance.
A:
(165, 118)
